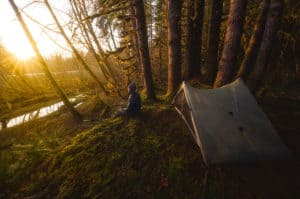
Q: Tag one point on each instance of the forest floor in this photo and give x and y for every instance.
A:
(151, 156)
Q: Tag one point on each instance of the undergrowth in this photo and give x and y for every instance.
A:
(151, 156)
(24, 147)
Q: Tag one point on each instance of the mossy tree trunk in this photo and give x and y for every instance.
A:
(174, 45)
(144, 48)
(192, 57)
(213, 40)
(134, 36)
(271, 26)
(254, 43)
(232, 42)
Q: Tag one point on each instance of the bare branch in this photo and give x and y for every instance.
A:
(97, 15)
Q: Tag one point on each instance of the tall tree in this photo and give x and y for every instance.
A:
(59, 91)
(232, 42)
(76, 53)
(79, 12)
(102, 57)
(194, 35)
(174, 45)
(273, 19)
(143, 48)
(134, 36)
(254, 43)
(213, 39)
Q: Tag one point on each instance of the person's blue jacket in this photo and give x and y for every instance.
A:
(134, 104)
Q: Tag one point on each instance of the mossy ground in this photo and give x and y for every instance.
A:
(24, 147)
(150, 156)
(145, 157)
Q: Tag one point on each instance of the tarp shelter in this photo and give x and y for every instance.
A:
(228, 125)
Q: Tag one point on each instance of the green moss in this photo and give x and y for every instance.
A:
(121, 157)
(150, 156)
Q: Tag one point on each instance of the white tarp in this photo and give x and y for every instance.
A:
(228, 125)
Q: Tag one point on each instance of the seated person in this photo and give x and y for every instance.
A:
(134, 102)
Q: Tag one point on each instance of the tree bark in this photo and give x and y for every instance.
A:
(232, 42)
(143, 48)
(111, 34)
(135, 37)
(254, 43)
(174, 45)
(273, 19)
(213, 40)
(56, 87)
(194, 35)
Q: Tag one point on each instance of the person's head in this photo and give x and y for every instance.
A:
(131, 88)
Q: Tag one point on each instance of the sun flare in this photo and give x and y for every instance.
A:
(20, 50)
(13, 38)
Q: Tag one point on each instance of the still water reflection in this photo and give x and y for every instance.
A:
(42, 112)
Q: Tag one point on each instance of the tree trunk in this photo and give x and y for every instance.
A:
(254, 43)
(77, 54)
(273, 18)
(194, 35)
(61, 94)
(106, 68)
(213, 40)
(232, 42)
(151, 27)
(135, 38)
(80, 12)
(143, 48)
(174, 45)
(111, 34)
